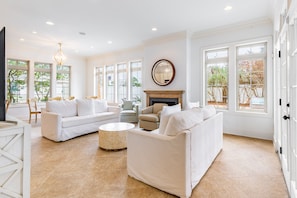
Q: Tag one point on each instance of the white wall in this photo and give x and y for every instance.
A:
(245, 124)
(172, 47)
(23, 52)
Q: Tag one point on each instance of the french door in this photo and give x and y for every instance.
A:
(286, 118)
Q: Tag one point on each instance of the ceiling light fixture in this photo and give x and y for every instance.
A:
(227, 8)
(60, 57)
(154, 29)
(49, 23)
(109, 42)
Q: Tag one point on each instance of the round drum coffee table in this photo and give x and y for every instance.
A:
(112, 136)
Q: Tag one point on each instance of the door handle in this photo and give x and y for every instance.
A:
(286, 117)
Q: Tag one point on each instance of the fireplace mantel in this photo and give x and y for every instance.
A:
(164, 94)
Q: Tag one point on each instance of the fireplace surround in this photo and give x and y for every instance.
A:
(171, 97)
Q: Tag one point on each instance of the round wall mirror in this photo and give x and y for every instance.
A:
(163, 72)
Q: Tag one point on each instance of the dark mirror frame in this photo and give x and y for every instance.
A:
(160, 63)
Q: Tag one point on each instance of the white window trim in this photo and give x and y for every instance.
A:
(232, 79)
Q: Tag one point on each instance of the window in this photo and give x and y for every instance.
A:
(251, 64)
(42, 81)
(247, 71)
(63, 81)
(135, 85)
(100, 81)
(17, 80)
(122, 82)
(216, 62)
(110, 82)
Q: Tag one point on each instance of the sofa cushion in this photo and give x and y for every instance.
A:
(100, 106)
(149, 117)
(183, 120)
(127, 105)
(85, 107)
(87, 119)
(166, 112)
(208, 111)
(157, 107)
(66, 108)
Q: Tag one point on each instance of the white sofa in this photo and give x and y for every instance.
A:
(63, 120)
(176, 160)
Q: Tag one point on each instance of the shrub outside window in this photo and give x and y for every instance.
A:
(17, 80)
(42, 81)
(251, 78)
(217, 77)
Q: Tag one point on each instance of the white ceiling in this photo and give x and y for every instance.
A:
(127, 23)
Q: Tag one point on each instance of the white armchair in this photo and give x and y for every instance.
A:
(175, 163)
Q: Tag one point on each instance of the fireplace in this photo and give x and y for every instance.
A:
(170, 97)
(169, 101)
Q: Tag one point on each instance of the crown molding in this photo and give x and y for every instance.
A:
(231, 27)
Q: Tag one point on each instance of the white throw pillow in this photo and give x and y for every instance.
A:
(191, 105)
(208, 111)
(165, 114)
(85, 107)
(65, 108)
(100, 106)
(183, 120)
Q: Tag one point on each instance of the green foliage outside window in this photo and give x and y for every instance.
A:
(42, 81)
(17, 75)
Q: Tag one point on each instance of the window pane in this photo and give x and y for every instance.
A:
(110, 95)
(99, 81)
(122, 85)
(251, 78)
(42, 81)
(136, 79)
(252, 49)
(217, 79)
(63, 81)
(215, 54)
(17, 80)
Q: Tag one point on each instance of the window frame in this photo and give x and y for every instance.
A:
(213, 61)
(252, 57)
(233, 76)
(115, 73)
(69, 82)
(50, 71)
(27, 68)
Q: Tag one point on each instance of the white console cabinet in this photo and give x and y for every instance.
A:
(15, 159)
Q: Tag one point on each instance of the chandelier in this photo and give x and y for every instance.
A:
(60, 57)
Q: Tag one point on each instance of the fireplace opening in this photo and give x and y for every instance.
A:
(169, 101)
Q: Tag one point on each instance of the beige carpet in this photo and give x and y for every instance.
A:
(78, 169)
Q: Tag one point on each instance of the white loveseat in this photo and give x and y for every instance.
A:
(63, 120)
(176, 160)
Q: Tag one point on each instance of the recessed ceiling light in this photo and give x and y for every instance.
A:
(92, 47)
(82, 33)
(227, 8)
(154, 29)
(34, 32)
(49, 23)
(22, 39)
(109, 42)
